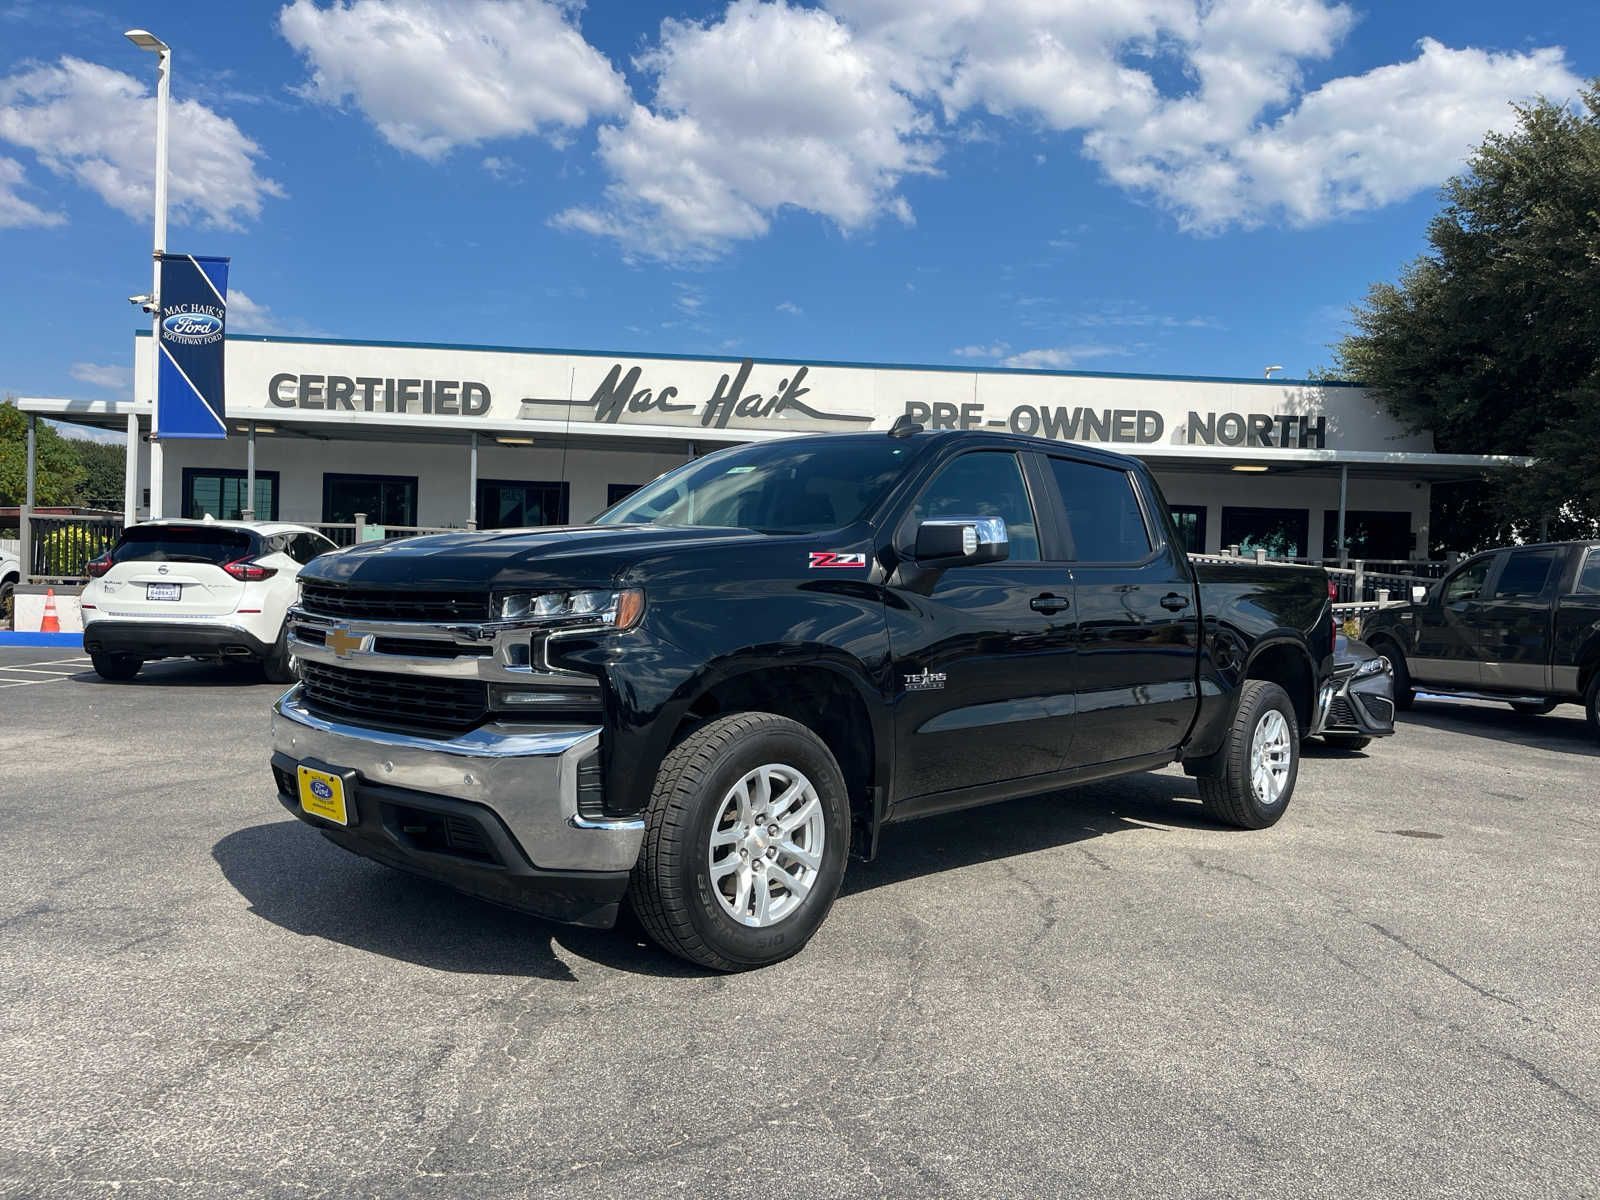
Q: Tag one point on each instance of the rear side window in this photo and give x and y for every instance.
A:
(1589, 576)
(986, 483)
(1525, 574)
(183, 543)
(1103, 514)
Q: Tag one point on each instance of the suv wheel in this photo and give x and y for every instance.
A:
(1404, 694)
(1591, 705)
(119, 668)
(280, 666)
(745, 843)
(1261, 760)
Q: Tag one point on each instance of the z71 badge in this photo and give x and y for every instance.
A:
(832, 558)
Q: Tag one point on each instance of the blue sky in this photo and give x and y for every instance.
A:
(1153, 185)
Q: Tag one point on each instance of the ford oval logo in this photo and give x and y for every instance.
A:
(321, 790)
(192, 325)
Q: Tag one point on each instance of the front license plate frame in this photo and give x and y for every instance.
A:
(325, 794)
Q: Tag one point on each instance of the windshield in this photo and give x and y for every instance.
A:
(182, 543)
(771, 487)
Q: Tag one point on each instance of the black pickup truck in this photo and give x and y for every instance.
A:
(1519, 624)
(709, 696)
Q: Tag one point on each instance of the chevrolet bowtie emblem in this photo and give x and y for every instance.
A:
(343, 642)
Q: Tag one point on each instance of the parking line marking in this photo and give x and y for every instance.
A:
(40, 671)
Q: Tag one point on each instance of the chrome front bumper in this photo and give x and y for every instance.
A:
(527, 775)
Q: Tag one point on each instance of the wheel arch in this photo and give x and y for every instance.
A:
(1286, 662)
(820, 688)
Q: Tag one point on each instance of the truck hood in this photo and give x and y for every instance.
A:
(549, 556)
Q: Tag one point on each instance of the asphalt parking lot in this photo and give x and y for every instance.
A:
(1097, 993)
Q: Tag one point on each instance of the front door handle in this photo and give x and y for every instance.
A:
(1173, 602)
(1049, 604)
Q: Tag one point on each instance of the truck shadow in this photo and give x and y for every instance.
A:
(187, 673)
(979, 835)
(298, 881)
(1566, 730)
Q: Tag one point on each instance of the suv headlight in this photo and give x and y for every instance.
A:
(1372, 666)
(599, 610)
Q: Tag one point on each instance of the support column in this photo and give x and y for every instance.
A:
(25, 524)
(472, 482)
(1344, 496)
(130, 474)
(249, 510)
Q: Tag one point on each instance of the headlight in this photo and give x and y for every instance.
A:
(616, 610)
(1372, 666)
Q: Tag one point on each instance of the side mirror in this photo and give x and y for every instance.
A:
(1419, 594)
(961, 542)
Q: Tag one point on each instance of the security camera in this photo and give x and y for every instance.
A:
(141, 301)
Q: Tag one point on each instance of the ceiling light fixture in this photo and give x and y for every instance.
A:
(1249, 468)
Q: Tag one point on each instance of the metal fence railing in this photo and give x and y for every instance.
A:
(348, 533)
(1357, 586)
(60, 547)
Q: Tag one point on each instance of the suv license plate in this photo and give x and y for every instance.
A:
(163, 591)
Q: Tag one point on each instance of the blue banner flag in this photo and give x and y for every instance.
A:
(194, 313)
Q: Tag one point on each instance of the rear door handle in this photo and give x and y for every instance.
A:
(1049, 604)
(1173, 602)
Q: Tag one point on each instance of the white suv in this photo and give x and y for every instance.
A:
(197, 589)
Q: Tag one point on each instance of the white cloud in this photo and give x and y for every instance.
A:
(1058, 357)
(771, 107)
(16, 212)
(993, 350)
(1200, 104)
(96, 126)
(436, 74)
(110, 376)
(247, 316)
(791, 308)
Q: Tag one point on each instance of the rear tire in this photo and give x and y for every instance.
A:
(1260, 762)
(118, 668)
(696, 869)
(1533, 709)
(1349, 742)
(279, 666)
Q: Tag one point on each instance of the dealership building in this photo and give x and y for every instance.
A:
(441, 436)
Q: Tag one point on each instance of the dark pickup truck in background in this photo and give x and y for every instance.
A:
(1519, 624)
(708, 697)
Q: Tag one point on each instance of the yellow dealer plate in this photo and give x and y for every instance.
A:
(322, 795)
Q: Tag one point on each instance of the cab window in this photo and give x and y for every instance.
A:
(985, 483)
(1589, 576)
(1525, 574)
(1467, 583)
(1103, 514)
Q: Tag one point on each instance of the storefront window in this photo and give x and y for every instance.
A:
(1190, 520)
(513, 504)
(386, 499)
(219, 492)
(1382, 536)
(1281, 532)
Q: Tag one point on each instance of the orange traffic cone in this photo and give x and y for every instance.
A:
(51, 622)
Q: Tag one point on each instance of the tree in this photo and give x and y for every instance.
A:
(1492, 339)
(58, 472)
(104, 473)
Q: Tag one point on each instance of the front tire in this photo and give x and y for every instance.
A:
(745, 843)
(118, 668)
(1404, 694)
(1260, 762)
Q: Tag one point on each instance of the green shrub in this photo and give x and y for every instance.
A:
(67, 549)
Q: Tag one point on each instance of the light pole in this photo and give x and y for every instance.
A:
(149, 41)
